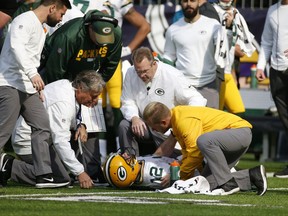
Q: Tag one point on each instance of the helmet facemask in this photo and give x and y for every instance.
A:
(121, 170)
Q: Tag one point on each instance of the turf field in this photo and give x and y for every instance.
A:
(24, 200)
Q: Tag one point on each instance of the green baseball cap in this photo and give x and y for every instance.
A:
(104, 31)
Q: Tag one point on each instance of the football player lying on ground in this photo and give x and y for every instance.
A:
(125, 170)
(148, 172)
(219, 137)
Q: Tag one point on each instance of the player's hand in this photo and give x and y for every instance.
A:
(82, 133)
(138, 126)
(85, 181)
(229, 19)
(260, 75)
(126, 156)
(37, 82)
(165, 181)
(125, 51)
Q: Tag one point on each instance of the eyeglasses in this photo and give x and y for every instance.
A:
(144, 71)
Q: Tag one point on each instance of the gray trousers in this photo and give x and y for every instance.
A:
(222, 149)
(23, 172)
(142, 145)
(13, 103)
(91, 158)
(211, 93)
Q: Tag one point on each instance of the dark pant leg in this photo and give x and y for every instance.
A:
(142, 145)
(279, 91)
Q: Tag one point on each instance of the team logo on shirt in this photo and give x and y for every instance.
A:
(159, 91)
(91, 54)
(203, 32)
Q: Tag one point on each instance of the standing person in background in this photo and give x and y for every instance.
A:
(151, 80)
(206, 9)
(7, 9)
(119, 9)
(240, 41)
(21, 87)
(274, 47)
(26, 5)
(194, 44)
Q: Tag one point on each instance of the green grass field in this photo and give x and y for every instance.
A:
(25, 200)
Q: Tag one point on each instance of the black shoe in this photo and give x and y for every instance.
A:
(282, 174)
(258, 178)
(230, 187)
(48, 181)
(6, 162)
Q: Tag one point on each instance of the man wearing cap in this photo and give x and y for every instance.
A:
(92, 42)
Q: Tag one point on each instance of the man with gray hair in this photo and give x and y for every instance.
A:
(62, 100)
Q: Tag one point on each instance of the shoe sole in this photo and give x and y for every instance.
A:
(235, 190)
(51, 185)
(263, 174)
(2, 182)
(281, 176)
(1, 160)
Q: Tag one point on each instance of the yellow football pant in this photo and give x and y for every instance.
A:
(113, 89)
(230, 97)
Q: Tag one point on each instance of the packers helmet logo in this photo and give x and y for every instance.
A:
(122, 173)
(106, 30)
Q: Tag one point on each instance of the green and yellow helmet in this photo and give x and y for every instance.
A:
(120, 172)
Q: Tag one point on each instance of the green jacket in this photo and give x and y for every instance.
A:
(69, 50)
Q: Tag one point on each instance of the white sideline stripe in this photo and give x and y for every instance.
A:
(76, 194)
(104, 197)
(134, 200)
(103, 193)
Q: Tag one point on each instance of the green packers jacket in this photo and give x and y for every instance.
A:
(69, 50)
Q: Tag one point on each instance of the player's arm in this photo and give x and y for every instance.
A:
(167, 147)
(110, 64)
(139, 21)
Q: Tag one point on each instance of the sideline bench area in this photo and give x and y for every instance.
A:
(257, 102)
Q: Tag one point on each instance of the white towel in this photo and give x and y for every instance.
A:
(240, 32)
(221, 53)
(244, 36)
(196, 185)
